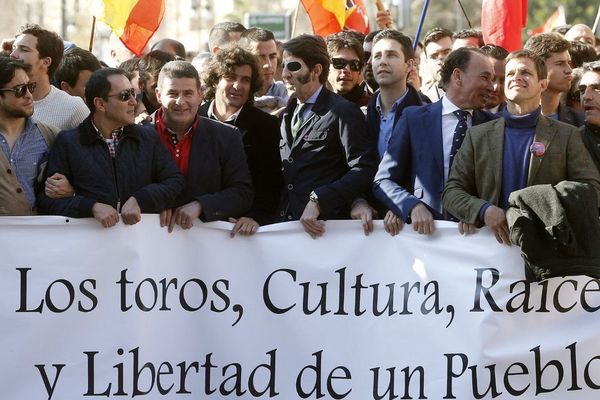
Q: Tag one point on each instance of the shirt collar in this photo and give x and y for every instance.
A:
(211, 114)
(116, 132)
(449, 107)
(394, 106)
(313, 98)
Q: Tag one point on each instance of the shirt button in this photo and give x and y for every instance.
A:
(289, 217)
(282, 214)
(290, 186)
(9, 171)
(19, 190)
(290, 160)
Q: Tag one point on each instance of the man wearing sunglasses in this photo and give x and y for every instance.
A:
(117, 169)
(328, 159)
(589, 89)
(25, 143)
(42, 50)
(345, 74)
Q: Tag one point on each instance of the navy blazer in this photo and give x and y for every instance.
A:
(412, 169)
(331, 154)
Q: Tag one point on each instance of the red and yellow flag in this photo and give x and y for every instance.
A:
(331, 16)
(133, 21)
(556, 19)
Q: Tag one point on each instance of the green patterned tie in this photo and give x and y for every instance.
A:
(297, 118)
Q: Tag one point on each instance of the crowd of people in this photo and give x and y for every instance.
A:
(255, 131)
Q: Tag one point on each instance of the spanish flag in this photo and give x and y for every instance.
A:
(133, 21)
(331, 16)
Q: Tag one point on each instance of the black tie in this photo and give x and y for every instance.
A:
(459, 132)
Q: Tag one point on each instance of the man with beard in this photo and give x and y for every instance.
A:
(415, 167)
(328, 159)
(25, 143)
(554, 50)
(496, 101)
(117, 169)
(521, 149)
(370, 84)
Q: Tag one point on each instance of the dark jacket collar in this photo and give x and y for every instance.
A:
(88, 135)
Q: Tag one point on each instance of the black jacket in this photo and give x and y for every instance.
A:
(331, 154)
(557, 228)
(142, 168)
(570, 116)
(260, 135)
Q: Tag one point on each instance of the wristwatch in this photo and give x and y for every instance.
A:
(313, 197)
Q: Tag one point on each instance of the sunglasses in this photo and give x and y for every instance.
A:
(21, 90)
(124, 95)
(340, 63)
(292, 66)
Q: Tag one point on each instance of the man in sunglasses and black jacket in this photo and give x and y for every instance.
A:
(25, 143)
(117, 169)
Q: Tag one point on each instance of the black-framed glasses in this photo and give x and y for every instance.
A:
(21, 90)
(124, 95)
(292, 66)
(340, 63)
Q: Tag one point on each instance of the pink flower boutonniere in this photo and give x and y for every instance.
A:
(538, 149)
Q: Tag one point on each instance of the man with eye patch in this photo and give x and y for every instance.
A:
(118, 170)
(589, 90)
(328, 159)
(347, 61)
(24, 143)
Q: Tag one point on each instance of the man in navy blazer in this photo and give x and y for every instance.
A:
(415, 167)
(328, 159)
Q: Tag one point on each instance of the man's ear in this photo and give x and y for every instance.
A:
(99, 104)
(65, 87)
(318, 70)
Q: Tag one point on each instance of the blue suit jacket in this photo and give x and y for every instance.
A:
(412, 169)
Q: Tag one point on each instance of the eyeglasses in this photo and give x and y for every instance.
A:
(340, 63)
(124, 95)
(21, 90)
(292, 66)
(595, 87)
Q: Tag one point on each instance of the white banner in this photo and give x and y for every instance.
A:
(132, 311)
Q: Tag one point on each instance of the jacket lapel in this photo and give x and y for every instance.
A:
(433, 124)
(316, 112)
(496, 153)
(544, 133)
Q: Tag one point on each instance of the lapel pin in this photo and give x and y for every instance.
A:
(538, 149)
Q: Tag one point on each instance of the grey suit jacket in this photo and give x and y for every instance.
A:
(476, 175)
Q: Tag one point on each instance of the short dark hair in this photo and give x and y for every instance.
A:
(470, 33)
(459, 58)
(312, 50)
(562, 29)
(177, 46)
(337, 41)
(356, 35)
(130, 67)
(435, 34)
(495, 51)
(99, 86)
(49, 44)
(538, 62)
(8, 67)
(219, 33)
(255, 34)
(151, 64)
(371, 35)
(74, 61)
(581, 53)
(545, 44)
(223, 63)
(178, 69)
(405, 41)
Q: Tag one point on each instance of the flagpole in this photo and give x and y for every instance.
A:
(596, 22)
(295, 20)
(421, 21)
(92, 34)
(465, 14)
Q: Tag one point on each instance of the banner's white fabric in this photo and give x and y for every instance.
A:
(87, 312)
